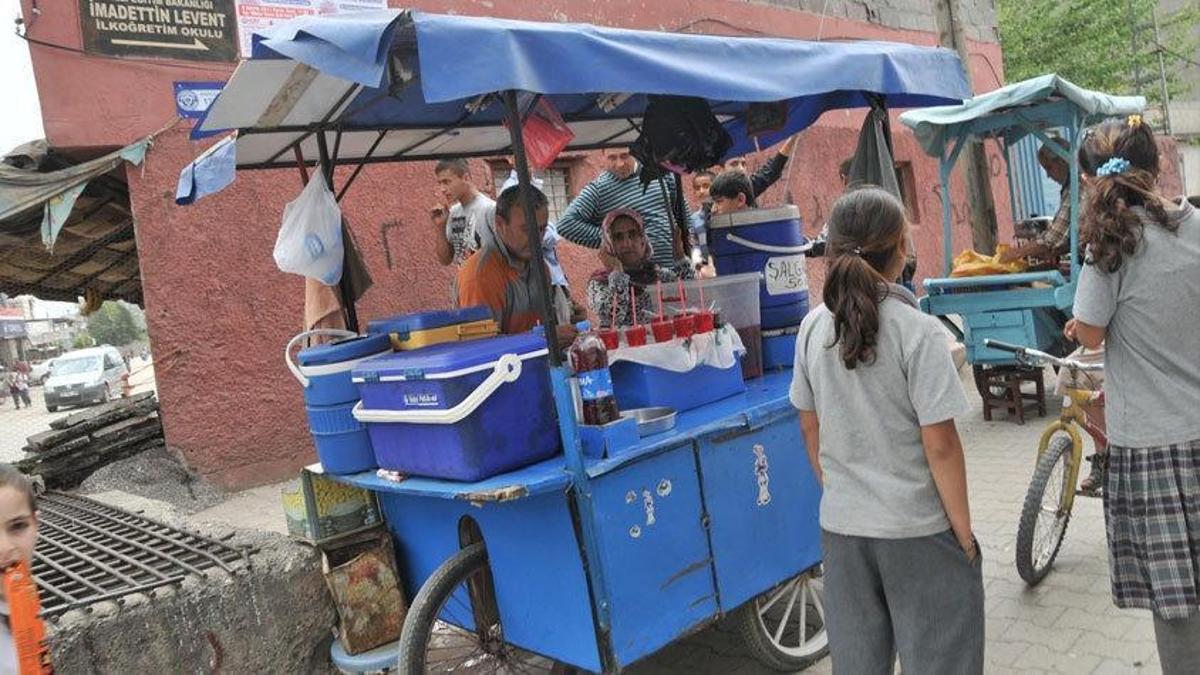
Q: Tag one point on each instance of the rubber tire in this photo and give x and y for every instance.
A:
(422, 614)
(107, 395)
(745, 619)
(1059, 447)
(51, 408)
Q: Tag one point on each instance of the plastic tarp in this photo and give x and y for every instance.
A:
(937, 127)
(24, 189)
(408, 85)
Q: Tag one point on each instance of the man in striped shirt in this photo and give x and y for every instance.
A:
(620, 187)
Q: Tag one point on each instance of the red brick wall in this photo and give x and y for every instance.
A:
(219, 313)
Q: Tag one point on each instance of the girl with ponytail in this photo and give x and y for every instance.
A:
(1139, 293)
(878, 392)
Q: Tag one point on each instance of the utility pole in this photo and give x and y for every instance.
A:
(979, 187)
(1162, 74)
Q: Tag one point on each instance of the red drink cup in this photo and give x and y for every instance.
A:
(663, 330)
(635, 336)
(611, 338)
(685, 325)
(704, 322)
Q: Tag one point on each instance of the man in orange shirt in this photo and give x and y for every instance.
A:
(499, 274)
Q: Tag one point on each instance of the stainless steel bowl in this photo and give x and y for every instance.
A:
(652, 421)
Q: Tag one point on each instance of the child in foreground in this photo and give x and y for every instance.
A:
(878, 392)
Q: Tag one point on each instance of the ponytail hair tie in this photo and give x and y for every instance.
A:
(1134, 121)
(1115, 166)
(857, 250)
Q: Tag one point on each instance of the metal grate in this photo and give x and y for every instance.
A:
(88, 552)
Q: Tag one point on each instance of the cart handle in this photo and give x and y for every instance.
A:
(287, 351)
(508, 369)
(769, 248)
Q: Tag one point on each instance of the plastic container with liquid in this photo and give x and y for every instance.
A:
(589, 359)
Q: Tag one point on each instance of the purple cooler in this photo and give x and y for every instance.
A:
(462, 410)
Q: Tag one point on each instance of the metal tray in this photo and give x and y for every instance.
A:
(652, 421)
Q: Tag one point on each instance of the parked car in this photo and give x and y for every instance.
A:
(86, 376)
(40, 372)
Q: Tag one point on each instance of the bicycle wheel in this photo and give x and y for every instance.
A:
(784, 628)
(1046, 512)
(453, 624)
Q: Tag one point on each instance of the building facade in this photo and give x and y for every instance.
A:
(219, 312)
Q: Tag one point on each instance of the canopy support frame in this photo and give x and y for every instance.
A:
(559, 374)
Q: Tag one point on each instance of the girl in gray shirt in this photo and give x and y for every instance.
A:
(877, 392)
(1140, 289)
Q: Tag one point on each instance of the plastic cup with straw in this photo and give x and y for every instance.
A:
(635, 335)
(662, 328)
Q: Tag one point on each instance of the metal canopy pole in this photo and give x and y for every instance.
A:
(564, 402)
(326, 167)
(541, 278)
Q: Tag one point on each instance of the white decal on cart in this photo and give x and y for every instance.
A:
(648, 504)
(761, 476)
(635, 531)
(630, 497)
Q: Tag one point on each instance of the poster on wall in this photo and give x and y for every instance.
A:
(257, 15)
(196, 30)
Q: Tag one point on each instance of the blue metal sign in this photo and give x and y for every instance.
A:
(192, 99)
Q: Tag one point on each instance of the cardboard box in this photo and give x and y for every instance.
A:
(320, 509)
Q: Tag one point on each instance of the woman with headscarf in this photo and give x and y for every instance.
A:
(623, 238)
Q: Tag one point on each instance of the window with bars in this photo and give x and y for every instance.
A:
(556, 183)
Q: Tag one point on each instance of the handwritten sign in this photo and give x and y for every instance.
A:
(196, 30)
(786, 274)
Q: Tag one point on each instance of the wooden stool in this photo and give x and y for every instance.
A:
(1000, 387)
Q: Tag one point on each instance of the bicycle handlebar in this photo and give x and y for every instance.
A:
(1034, 356)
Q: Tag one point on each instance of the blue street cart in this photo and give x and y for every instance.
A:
(1026, 309)
(590, 561)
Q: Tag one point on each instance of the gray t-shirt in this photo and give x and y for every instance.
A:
(877, 480)
(1151, 307)
(462, 223)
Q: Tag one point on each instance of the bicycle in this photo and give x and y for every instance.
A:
(1051, 494)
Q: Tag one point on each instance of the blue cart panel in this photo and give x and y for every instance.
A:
(541, 588)
(762, 500)
(654, 552)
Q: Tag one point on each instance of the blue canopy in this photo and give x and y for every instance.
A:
(405, 85)
(1043, 102)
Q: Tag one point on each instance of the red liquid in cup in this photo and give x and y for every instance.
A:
(635, 336)
(663, 330)
(611, 338)
(704, 322)
(685, 325)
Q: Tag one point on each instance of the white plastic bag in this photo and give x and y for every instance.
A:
(310, 240)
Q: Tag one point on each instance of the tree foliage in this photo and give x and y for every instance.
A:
(1097, 44)
(114, 324)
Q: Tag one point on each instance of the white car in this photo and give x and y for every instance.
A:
(40, 372)
(85, 376)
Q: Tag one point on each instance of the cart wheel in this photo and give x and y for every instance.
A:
(784, 628)
(453, 624)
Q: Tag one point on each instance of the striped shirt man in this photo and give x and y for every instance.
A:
(582, 220)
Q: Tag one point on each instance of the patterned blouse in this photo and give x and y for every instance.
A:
(603, 291)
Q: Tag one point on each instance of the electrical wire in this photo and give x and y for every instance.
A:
(1177, 55)
(75, 50)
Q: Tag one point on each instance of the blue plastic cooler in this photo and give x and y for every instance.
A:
(771, 242)
(461, 411)
(342, 443)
